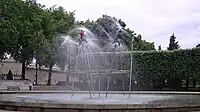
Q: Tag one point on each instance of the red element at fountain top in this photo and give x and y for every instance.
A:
(81, 33)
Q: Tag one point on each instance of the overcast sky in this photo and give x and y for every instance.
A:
(155, 20)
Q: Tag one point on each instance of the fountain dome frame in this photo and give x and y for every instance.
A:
(99, 71)
(82, 63)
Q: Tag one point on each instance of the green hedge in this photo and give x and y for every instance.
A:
(152, 67)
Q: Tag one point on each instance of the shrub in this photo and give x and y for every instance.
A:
(166, 68)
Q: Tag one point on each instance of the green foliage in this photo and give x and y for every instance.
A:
(29, 29)
(158, 66)
(107, 26)
(6, 13)
(58, 23)
(21, 23)
(142, 45)
(159, 47)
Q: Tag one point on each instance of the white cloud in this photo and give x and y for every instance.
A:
(156, 20)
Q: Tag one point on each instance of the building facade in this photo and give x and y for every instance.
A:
(57, 76)
(42, 74)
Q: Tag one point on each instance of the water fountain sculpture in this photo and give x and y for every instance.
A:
(83, 54)
(118, 35)
(88, 60)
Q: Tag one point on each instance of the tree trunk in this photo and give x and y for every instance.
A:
(50, 74)
(187, 83)
(194, 83)
(23, 70)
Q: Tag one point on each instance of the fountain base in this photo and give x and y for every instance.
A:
(140, 101)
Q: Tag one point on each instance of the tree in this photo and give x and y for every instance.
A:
(56, 23)
(142, 45)
(31, 29)
(5, 17)
(3, 41)
(173, 44)
(113, 29)
(39, 45)
(159, 47)
(22, 23)
(3, 45)
(106, 28)
(198, 45)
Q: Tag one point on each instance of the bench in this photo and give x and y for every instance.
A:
(13, 88)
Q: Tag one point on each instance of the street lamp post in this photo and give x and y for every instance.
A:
(36, 69)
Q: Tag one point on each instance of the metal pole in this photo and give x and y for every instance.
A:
(108, 83)
(99, 85)
(121, 67)
(123, 85)
(88, 63)
(88, 78)
(131, 69)
(73, 82)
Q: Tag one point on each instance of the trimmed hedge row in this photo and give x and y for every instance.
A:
(167, 68)
(152, 69)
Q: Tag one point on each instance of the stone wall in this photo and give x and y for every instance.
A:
(15, 67)
(10, 64)
(43, 76)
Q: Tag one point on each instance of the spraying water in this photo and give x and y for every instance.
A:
(86, 56)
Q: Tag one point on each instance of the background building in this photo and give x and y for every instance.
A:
(16, 68)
